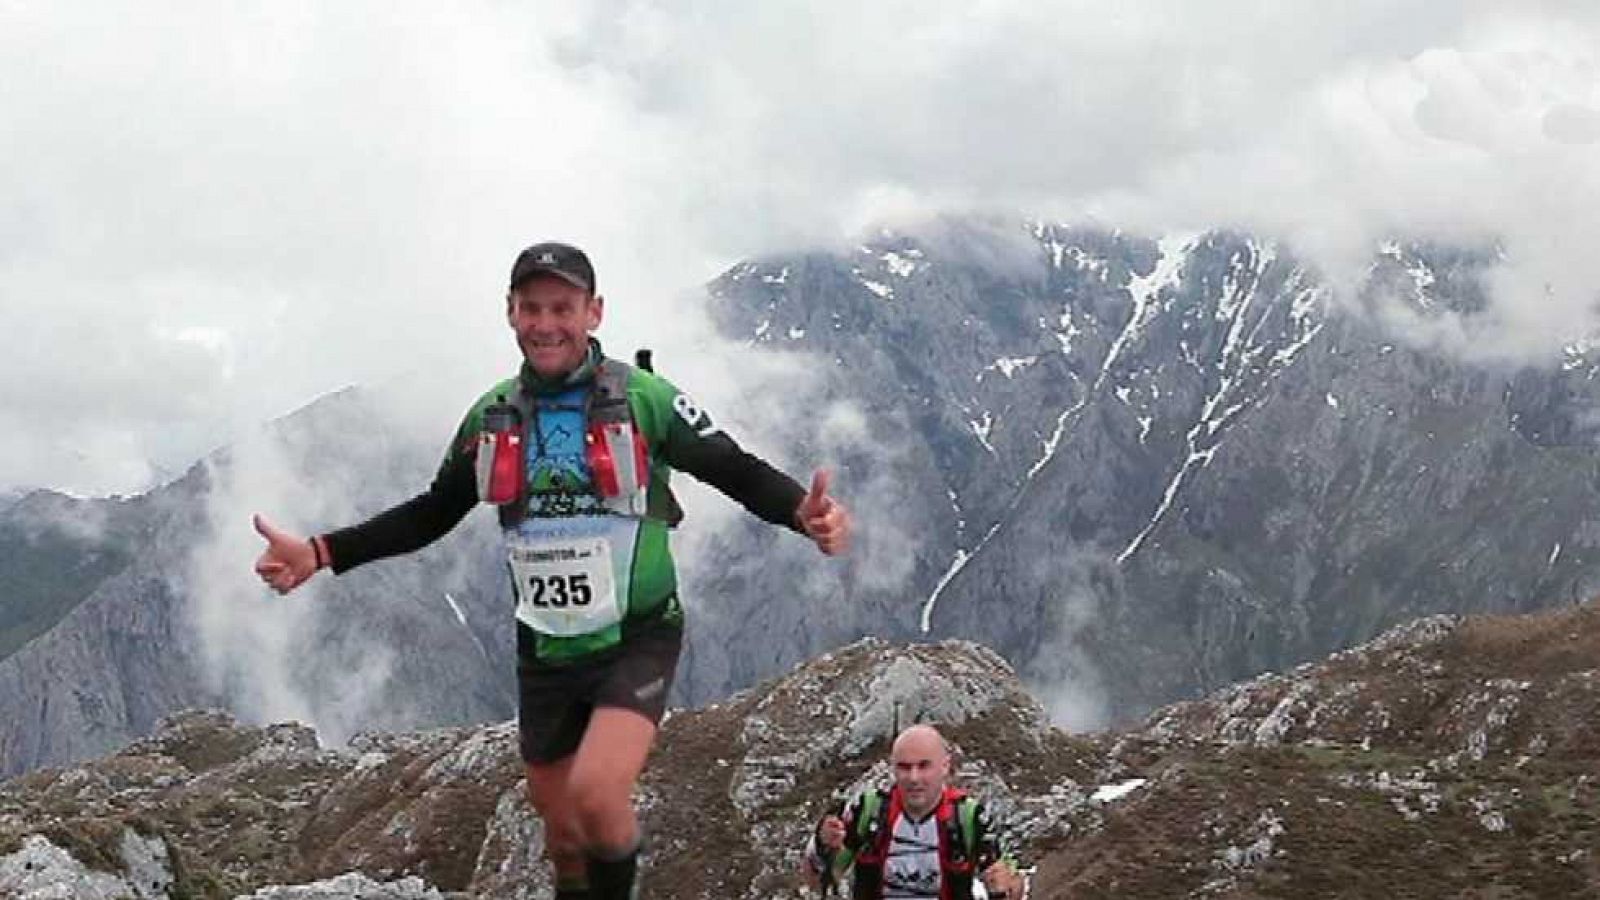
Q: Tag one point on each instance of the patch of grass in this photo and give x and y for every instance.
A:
(195, 878)
(94, 842)
(1355, 759)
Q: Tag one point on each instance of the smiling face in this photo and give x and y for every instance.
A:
(553, 320)
(921, 768)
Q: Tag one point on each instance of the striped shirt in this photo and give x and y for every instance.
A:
(911, 871)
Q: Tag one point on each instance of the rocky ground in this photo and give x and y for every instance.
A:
(1451, 757)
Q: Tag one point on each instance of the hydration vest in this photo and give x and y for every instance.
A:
(605, 404)
(873, 833)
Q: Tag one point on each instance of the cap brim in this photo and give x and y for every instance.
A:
(535, 270)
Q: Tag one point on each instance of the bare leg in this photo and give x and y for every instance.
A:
(600, 786)
(604, 770)
(563, 839)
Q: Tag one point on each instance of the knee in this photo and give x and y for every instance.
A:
(598, 802)
(564, 843)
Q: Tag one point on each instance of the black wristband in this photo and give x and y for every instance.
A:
(316, 553)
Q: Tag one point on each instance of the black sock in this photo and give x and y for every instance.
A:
(572, 890)
(613, 878)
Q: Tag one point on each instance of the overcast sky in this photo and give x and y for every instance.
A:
(212, 215)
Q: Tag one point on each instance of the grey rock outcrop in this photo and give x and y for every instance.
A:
(1371, 773)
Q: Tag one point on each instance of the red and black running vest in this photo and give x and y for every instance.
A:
(871, 837)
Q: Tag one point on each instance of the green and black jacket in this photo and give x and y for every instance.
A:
(679, 436)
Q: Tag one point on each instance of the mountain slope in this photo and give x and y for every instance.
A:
(1140, 470)
(416, 641)
(1450, 757)
(1146, 469)
(54, 550)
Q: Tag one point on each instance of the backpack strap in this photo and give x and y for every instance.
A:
(608, 399)
(872, 827)
(609, 404)
(511, 514)
(958, 822)
(967, 817)
(958, 860)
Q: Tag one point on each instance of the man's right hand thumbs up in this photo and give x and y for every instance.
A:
(822, 518)
(288, 560)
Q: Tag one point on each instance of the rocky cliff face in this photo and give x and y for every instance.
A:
(1449, 757)
(1140, 470)
(1147, 469)
(144, 625)
(108, 653)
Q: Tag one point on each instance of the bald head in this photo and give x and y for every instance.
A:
(921, 763)
(920, 740)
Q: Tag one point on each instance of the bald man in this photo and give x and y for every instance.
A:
(919, 840)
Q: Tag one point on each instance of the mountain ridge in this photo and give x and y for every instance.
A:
(1140, 470)
(1374, 772)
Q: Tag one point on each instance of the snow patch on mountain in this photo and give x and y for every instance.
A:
(1142, 290)
(1008, 365)
(883, 291)
(902, 266)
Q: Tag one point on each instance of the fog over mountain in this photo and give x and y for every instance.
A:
(212, 213)
(1138, 469)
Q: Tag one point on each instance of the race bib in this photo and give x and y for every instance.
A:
(564, 586)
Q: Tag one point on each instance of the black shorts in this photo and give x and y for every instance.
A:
(554, 702)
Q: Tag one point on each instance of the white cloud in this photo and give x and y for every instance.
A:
(216, 213)
(1071, 687)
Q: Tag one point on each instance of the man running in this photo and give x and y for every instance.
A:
(575, 452)
(919, 840)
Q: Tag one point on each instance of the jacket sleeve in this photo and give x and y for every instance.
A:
(417, 522)
(693, 443)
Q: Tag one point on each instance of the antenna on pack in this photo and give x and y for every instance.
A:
(642, 358)
(896, 732)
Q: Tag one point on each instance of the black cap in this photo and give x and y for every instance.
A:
(564, 261)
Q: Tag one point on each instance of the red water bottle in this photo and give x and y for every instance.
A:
(501, 469)
(602, 465)
(618, 459)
